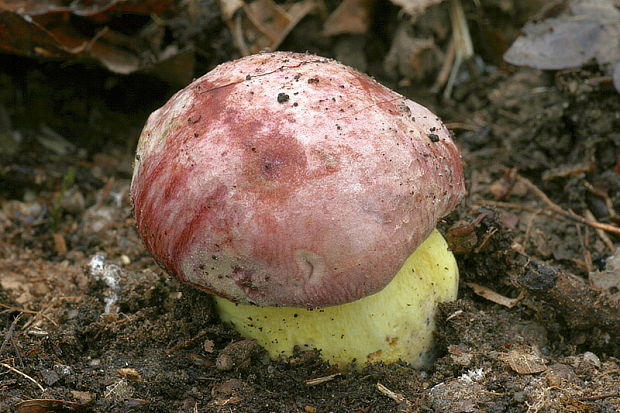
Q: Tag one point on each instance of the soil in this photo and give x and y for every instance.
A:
(89, 322)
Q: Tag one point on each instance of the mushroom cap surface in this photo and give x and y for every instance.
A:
(289, 179)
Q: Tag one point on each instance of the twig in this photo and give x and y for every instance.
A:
(397, 397)
(512, 205)
(237, 34)
(446, 67)
(41, 314)
(462, 43)
(600, 396)
(462, 125)
(528, 230)
(319, 380)
(21, 310)
(9, 333)
(601, 234)
(447, 92)
(185, 343)
(568, 214)
(583, 241)
(14, 370)
(495, 297)
(485, 240)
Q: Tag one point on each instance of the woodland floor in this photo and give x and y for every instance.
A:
(536, 326)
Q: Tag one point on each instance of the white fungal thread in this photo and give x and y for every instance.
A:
(472, 375)
(109, 274)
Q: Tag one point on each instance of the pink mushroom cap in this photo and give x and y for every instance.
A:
(288, 179)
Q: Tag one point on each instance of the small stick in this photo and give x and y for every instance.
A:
(485, 240)
(397, 397)
(462, 43)
(237, 34)
(600, 396)
(568, 214)
(601, 234)
(9, 333)
(446, 67)
(41, 314)
(14, 370)
(528, 231)
(21, 310)
(511, 205)
(185, 343)
(319, 380)
(583, 241)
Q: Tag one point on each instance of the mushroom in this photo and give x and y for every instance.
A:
(304, 195)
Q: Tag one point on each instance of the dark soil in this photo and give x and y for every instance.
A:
(67, 136)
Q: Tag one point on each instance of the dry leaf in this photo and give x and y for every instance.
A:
(320, 380)
(47, 405)
(175, 67)
(228, 8)
(130, 374)
(491, 295)
(590, 32)
(102, 8)
(262, 24)
(43, 29)
(351, 17)
(523, 363)
(274, 22)
(415, 6)
(411, 57)
(24, 36)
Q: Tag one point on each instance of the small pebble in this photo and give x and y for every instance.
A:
(224, 362)
(560, 375)
(125, 260)
(592, 358)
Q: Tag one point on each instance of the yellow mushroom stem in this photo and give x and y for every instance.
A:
(394, 324)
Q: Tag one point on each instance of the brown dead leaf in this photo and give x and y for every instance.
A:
(589, 32)
(415, 6)
(174, 66)
(130, 374)
(523, 362)
(351, 17)
(564, 171)
(83, 396)
(117, 52)
(412, 57)
(47, 405)
(503, 186)
(26, 37)
(272, 20)
(43, 29)
(60, 245)
(320, 380)
(86, 8)
(262, 24)
(228, 8)
(493, 296)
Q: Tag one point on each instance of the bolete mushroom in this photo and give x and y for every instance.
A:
(295, 189)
